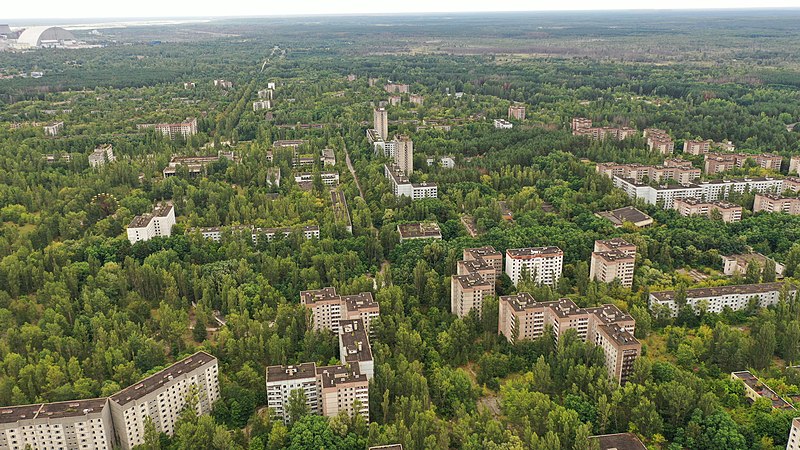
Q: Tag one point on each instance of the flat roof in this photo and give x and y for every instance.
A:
(615, 255)
(534, 252)
(160, 210)
(419, 230)
(619, 335)
(388, 447)
(762, 389)
(609, 313)
(716, 291)
(353, 338)
(626, 214)
(341, 374)
(615, 243)
(159, 379)
(619, 441)
(359, 301)
(319, 295)
(297, 372)
(523, 300)
(72, 408)
(471, 280)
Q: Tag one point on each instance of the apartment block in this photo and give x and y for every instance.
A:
(541, 264)
(516, 112)
(416, 99)
(613, 259)
(380, 121)
(708, 190)
(395, 100)
(404, 154)
(659, 140)
(156, 224)
(467, 293)
(737, 264)
(329, 178)
(53, 129)
(580, 123)
(777, 203)
(266, 93)
(395, 88)
(419, 230)
(262, 104)
(720, 162)
(674, 169)
(184, 129)
(619, 216)
(328, 308)
(692, 147)
(583, 127)
(282, 380)
(223, 84)
(793, 442)
(401, 185)
(196, 164)
(217, 234)
(71, 425)
(521, 317)
(162, 396)
(101, 155)
(794, 164)
(791, 184)
(691, 206)
(716, 299)
(354, 346)
(339, 387)
(755, 389)
(503, 124)
(488, 254)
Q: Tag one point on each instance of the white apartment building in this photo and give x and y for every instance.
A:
(186, 128)
(716, 299)
(354, 346)
(156, 224)
(162, 396)
(282, 380)
(402, 186)
(70, 425)
(329, 308)
(542, 264)
(216, 234)
(503, 124)
(53, 129)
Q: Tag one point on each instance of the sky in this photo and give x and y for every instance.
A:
(12, 10)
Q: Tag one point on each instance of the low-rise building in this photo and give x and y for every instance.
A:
(520, 317)
(542, 265)
(419, 230)
(101, 155)
(328, 157)
(70, 425)
(613, 259)
(53, 129)
(162, 396)
(282, 380)
(402, 186)
(693, 147)
(217, 234)
(502, 124)
(195, 165)
(665, 195)
(156, 224)
(754, 389)
(777, 203)
(354, 346)
(627, 214)
(737, 264)
(716, 299)
(340, 209)
(691, 206)
(328, 178)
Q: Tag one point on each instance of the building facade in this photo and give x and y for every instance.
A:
(401, 185)
(613, 259)
(516, 112)
(716, 299)
(282, 380)
(404, 154)
(542, 265)
(777, 203)
(329, 308)
(156, 224)
(690, 206)
(172, 130)
(71, 425)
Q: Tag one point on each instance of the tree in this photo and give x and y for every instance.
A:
(297, 406)
(763, 346)
(151, 438)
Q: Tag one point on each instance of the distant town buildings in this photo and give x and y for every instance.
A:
(394, 88)
(395, 100)
(329, 178)
(216, 234)
(380, 119)
(721, 162)
(101, 155)
(794, 164)
(691, 206)
(675, 169)
(156, 224)
(340, 210)
(755, 389)
(189, 85)
(541, 265)
(613, 259)
(791, 184)
(262, 104)
(583, 127)
(172, 130)
(708, 190)
(777, 203)
(692, 147)
(402, 186)
(446, 162)
(328, 157)
(627, 214)
(716, 299)
(503, 124)
(53, 129)
(659, 140)
(475, 279)
(404, 154)
(223, 84)
(419, 230)
(516, 112)
(737, 264)
(328, 308)
(266, 93)
(196, 164)
(521, 317)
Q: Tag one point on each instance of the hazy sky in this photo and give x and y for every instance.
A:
(55, 9)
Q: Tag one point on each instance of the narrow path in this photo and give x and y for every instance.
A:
(352, 171)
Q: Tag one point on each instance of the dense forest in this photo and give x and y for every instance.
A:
(85, 313)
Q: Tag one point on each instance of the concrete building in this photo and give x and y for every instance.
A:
(171, 130)
(195, 165)
(755, 389)
(692, 147)
(516, 112)
(223, 84)
(53, 129)
(70, 425)
(395, 100)
(691, 206)
(282, 380)
(794, 165)
(487, 255)
(665, 195)
(659, 140)
(340, 209)
(737, 264)
(583, 127)
(156, 224)
(720, 162)
(404, 154)
(716, 299)
(328, 157)
(162, 396)
(675, 169)
(542, 265)
(613, 259)
(523, 318)
(340, 387)
(328, 308)
(101, 155)
(419, 230)
(467, 293)
(793, 442)
(217, 234)
(395, 88)
(402, 186)
(580, 123)
(503, 124)
(328, 178)
(354, 346)
(45, 37)
(777, 203)
(416, 99)
(791, 184)
(380, 122)
(618, 441)
(262, 104)
(266, 93)
(627, 214)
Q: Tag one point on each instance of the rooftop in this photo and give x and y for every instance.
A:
(285, 373)
(483, 252)
(762, 389)
(419, 230)
(534, 252)
(619, 335)
(58, 410)
(160, 210)
(319, 295)
(609, 313)
(159, 379)
(359, 301)
(471, 281)
(336, 375)
(626, 214)
(619, 441)
(723, 290)
(388, 447)
(354, 341)
(615, 243)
